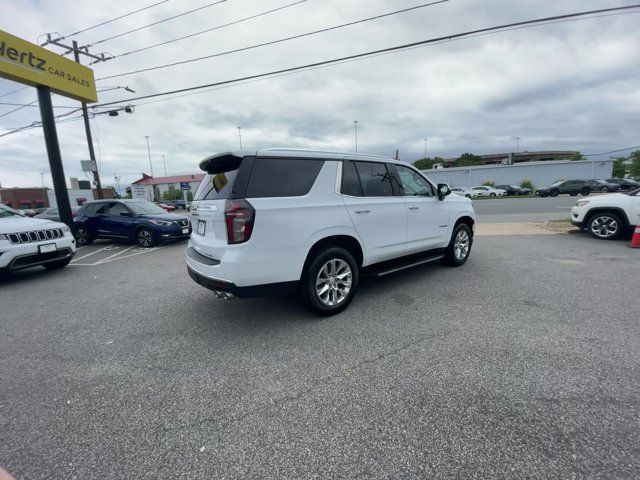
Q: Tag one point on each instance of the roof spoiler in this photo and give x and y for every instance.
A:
(221, 162)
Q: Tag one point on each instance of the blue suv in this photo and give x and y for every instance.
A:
(135, 220)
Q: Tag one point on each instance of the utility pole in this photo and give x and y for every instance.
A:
(517, 144)
(87, 129)
(355, 133)
(240, 136)
(165, 165)
(425, 148)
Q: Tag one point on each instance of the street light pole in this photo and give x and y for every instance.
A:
(117, 179)
(517, 144)
(425, 148)
(240, 136)
(355, 133)
(42, 174)
(165, 166)
(149, 153)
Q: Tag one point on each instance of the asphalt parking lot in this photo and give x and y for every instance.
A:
(524, 363)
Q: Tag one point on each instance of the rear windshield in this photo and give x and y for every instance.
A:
(216, 186)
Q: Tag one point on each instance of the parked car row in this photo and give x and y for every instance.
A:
(586, 187)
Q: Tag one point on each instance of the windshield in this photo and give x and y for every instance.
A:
(8, 212)
(145, 208)
(634, 193)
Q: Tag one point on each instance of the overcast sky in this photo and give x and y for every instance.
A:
(564, 86)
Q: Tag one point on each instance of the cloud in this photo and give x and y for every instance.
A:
(562, 86)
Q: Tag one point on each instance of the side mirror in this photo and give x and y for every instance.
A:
(443, 190)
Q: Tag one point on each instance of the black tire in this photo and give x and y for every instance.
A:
(451, 256)
(492, 194)
(554, 193)
(604, 189)
(605, 226)
(313, 274)
(585, 191)
(57, 264)
(468, 195)
(145, 238)
(82, 236)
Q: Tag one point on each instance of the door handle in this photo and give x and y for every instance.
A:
(413, 208)
(363, 211)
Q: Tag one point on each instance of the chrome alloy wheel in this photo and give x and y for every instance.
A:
(461, 245)
(334, 282)
(144, 238)
(604, 226)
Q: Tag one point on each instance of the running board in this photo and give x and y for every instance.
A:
(399, 267)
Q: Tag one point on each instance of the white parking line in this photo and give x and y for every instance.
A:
(108, 247)
(104, 260)
(146, 250)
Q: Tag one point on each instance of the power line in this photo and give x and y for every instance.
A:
(335, 27)
(156, 23)
(32, 105)
(381, 51)
(13, 91)
(113, 19)
(19, 108)
(212, 29)
(613, 151)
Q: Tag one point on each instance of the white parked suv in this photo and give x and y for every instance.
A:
(28, 242)
(608, 216)
(308, 221)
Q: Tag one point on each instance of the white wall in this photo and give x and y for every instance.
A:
(73, 196)
(541, 174)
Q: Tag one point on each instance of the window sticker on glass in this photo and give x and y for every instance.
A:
(219, 181)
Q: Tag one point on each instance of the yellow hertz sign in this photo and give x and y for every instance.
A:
(27, 63)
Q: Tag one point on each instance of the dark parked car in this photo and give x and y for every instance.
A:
(139, 221)
(514, 189)
(54, 215)
(604, 186)
(575, 187)
(625, 184)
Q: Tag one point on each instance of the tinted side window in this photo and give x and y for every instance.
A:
(280, 177)
(96, 208)
(375, 179)
(116, 209)
(350, 180)
(413, 183)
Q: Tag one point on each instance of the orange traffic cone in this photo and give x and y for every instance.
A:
(635, 240)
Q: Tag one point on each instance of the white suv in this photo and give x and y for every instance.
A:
(607, 216)
(310, 221)
(28, 242)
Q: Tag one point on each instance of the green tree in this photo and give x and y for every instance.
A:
(427, 163)
(468, 159)
(172, 194)
(577, 156)
(619, 167)
(634, 168)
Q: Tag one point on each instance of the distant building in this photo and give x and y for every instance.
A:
(519, 157)
(23, 198)
(152, 188)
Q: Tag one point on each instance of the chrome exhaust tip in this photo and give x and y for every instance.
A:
(224, 295)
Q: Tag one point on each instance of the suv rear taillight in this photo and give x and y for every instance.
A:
(239, 217)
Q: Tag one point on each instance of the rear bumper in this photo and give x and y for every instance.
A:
(242, 292)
